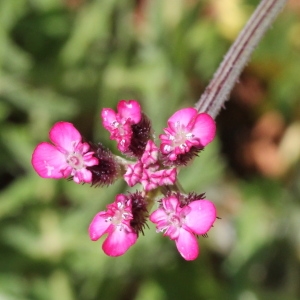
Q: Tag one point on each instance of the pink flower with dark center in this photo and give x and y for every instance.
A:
(67, 157)
(119, 124)
(186, 128)
(115, 221)
(182, 224)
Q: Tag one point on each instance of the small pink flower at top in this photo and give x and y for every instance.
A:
(116, 223)
(119, 124)
(67, 157)
(182, 224)
(186, 128)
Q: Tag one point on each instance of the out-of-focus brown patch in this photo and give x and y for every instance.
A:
(269, 126)
(234, 125)
(74, 4)
(251, 144)
(294, 5)
(261, 152)
(249, 90)
(139, 12)
(266, 158)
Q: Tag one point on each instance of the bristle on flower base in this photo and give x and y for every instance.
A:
(108, 169)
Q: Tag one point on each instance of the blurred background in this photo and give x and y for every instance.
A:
(67, 59)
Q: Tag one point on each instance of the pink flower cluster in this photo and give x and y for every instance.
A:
(180, 217)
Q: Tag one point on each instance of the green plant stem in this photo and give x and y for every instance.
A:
(217, 92)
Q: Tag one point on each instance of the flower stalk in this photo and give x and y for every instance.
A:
(217, 92)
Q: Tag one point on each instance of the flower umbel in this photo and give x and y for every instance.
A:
(181, 217)
(115, 221)
(183, 223)
(68, 157)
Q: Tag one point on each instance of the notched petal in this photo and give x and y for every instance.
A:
(49, 162)
(187, 245)
(201, 217)
(65, 136)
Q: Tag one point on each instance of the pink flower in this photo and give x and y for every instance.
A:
(186, 129)
(116, 223)
(119, 124)
(164, 177)
(146, 170)
(151, 179)
(150, 155)
(182, 224)
(134, 173)
(67, 157)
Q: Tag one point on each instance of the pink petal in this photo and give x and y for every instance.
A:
(99, 226)
(164, 177)
(48, 162)
(90, 160)
(183, 116)
(83, 175)
(172, 232)
(158, 216)
(108, 118)
(130, 110)
(133, 174)
(147, 182)
(148, 186)
(201, 217)
(122, 140)
(204, 128)
(65, 136)
(187, 245)
(170, 204)
(118, 242)
(150, 155)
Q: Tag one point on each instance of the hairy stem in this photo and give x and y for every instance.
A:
(217, 92)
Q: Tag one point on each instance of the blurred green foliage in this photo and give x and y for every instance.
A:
(65, 60)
